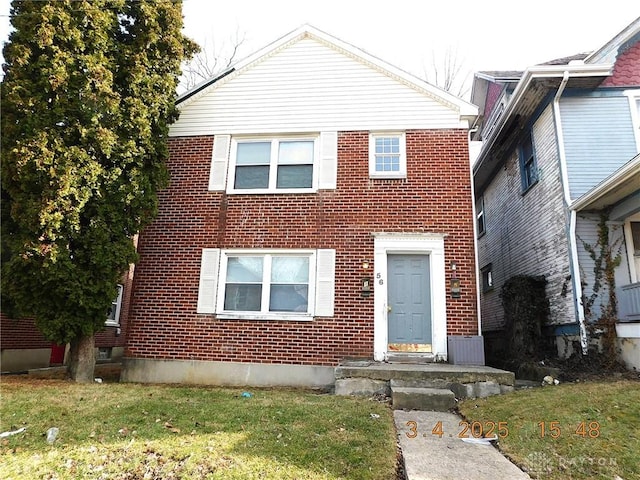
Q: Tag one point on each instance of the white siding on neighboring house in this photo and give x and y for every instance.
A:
(598, 137)
(587, 233)
(309, 86)
(526, 234)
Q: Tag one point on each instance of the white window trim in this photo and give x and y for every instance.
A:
(372, 157)
(274, 139)
(118, 302)
(225, 314)
(634, 106)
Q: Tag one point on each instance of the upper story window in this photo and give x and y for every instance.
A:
(480, 219)
(528, 163)
(113, 316)
(387, 155)
(259, 164)
(272, 165)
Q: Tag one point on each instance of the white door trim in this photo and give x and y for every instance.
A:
(431, 244)
(633, 272)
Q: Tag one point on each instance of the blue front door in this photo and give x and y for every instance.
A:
(409, 303)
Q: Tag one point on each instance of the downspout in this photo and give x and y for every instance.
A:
(475, 231)
(573, 245)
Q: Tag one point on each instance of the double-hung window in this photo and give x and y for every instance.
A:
(528, 164)
(267, 283)
(387, 155)
(271, 165)
(278, 284)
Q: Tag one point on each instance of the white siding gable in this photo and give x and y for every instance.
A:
(309, 85)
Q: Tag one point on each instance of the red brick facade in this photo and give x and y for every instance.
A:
(22, 334)
(435, 197)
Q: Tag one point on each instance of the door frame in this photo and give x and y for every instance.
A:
(633, 273)
(431, 244)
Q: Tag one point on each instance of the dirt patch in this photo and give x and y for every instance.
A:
(592, 367)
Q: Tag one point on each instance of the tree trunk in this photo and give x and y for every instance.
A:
(82, 359)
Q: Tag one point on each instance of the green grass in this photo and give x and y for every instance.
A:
(608, 445)
(129, 431)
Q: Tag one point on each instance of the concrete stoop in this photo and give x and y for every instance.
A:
(433, 387)
(421, 398)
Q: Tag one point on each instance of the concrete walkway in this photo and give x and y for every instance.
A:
(431, 457)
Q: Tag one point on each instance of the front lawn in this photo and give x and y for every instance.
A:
(130, 431)
(577, 431)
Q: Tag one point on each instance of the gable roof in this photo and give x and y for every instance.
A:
(609, 51)
(535, 84)
(466, 109)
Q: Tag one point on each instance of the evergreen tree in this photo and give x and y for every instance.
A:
(87, 99)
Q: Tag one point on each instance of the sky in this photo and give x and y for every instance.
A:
(411, 34)
(482, 35)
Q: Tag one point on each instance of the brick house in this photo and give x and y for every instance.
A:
(319, 209)
(560, 145)
(23, 347)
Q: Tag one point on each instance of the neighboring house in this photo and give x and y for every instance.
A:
(23, 347)
(560, 149)
(319, 209)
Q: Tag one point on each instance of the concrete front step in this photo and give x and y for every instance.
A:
(441, 374)
(419, 398)
(414, 385)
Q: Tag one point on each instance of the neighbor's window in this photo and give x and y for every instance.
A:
(387, 157)
(267, 283)
(487, 278)
(113, 316)
(271, 165)
(528, 164)
(480, 216)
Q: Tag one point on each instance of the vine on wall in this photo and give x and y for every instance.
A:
(606, 258)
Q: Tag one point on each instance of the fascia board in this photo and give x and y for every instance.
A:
(529, 75)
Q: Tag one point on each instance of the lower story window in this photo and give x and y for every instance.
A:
(113, 315)
(267, 283)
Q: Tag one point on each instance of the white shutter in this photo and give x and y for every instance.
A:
(328, 171)
(325, 282)
(219, 160)
(207, 292)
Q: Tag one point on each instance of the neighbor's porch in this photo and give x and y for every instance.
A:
(618, 198)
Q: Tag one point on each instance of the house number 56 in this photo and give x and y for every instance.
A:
(380, 280)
